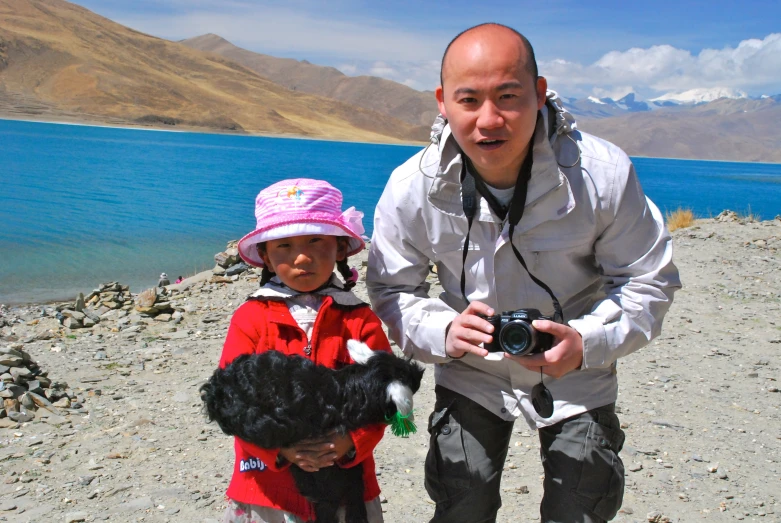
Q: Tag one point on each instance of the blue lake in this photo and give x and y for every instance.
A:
(82, 205)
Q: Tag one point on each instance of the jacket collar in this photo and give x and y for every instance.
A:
(276, 290)
(549, 196)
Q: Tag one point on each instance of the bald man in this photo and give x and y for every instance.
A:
(520, 212)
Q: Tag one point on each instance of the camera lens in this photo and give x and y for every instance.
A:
(516, 338)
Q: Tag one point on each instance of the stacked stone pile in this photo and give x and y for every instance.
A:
(87, 311)
(228, 264)
(109, 296)
(155, 302)
(26, 389)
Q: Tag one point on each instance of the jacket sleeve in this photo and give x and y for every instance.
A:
(366, 438)
(242, 338)
(267, 456)
(243, 333)
(634, 254)
(396, 279)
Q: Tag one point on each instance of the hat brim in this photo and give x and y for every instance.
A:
(248, 244)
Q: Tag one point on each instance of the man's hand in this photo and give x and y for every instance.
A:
(566, 354)
(315, 454)
(468, 331)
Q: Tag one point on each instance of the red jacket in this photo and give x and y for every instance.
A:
(266, 324)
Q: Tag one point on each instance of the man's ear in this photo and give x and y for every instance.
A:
(542, 90)
(440, 94)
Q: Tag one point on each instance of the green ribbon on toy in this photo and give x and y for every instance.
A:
(401, 425)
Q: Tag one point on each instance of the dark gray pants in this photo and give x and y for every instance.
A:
(584, 477)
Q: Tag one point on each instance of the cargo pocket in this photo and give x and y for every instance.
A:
(447, 465)
(601, 485)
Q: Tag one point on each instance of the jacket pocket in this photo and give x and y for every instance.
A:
(565, 264)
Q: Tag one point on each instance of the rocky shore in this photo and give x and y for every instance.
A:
(102, 418)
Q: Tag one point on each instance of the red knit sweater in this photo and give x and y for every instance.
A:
(266, 324)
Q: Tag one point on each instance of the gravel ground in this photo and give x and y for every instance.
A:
(700, 407)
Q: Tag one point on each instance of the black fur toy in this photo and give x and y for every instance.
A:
(274, 401)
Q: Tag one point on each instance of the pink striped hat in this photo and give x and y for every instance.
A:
(299, 207)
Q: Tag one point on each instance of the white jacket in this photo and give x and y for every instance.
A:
(587, 231)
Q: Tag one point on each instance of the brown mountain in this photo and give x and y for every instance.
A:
(735, 130)
(61, 61)
(370, 92)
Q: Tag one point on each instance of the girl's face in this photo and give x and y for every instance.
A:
(303, 263)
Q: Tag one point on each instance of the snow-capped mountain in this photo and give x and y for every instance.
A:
(606, 107)
(595, 107)
(698, 96)
(632, 104)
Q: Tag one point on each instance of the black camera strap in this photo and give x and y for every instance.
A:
(470, 185)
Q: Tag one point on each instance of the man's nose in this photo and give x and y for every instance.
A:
(489, 117)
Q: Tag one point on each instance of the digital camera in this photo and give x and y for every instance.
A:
(515, 335)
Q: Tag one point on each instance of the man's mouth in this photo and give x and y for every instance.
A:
(489, 145)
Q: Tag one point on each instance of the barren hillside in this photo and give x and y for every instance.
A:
(742, 131)
(370, 92)
(58, 59)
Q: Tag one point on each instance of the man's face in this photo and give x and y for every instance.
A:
(491, 101)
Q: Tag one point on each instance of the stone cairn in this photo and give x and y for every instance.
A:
(86, 311)
(154, 302)
(26, 390)
(228, 264)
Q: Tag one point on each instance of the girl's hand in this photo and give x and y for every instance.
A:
(311, 455)
(343, 444)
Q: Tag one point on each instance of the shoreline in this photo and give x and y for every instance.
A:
(12, 305)
(129, 125)
(699, 160)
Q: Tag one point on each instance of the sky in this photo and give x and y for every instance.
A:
(595, 48)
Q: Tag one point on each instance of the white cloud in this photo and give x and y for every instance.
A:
(336, 33)
(348, 69)
(753, 66)
(422, 74)
(381, 69)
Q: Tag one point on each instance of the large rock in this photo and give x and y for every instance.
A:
(21, 374)
(46, 329)
(92, 315)
(11, 360)
(76, 315)
(72, 323)
(236, 269)
(79, 306)
(146, 299)
(227, 258)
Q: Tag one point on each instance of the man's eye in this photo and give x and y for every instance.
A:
(508, 96)
(467, 100)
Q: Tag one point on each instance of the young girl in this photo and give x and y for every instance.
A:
(301, 308)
